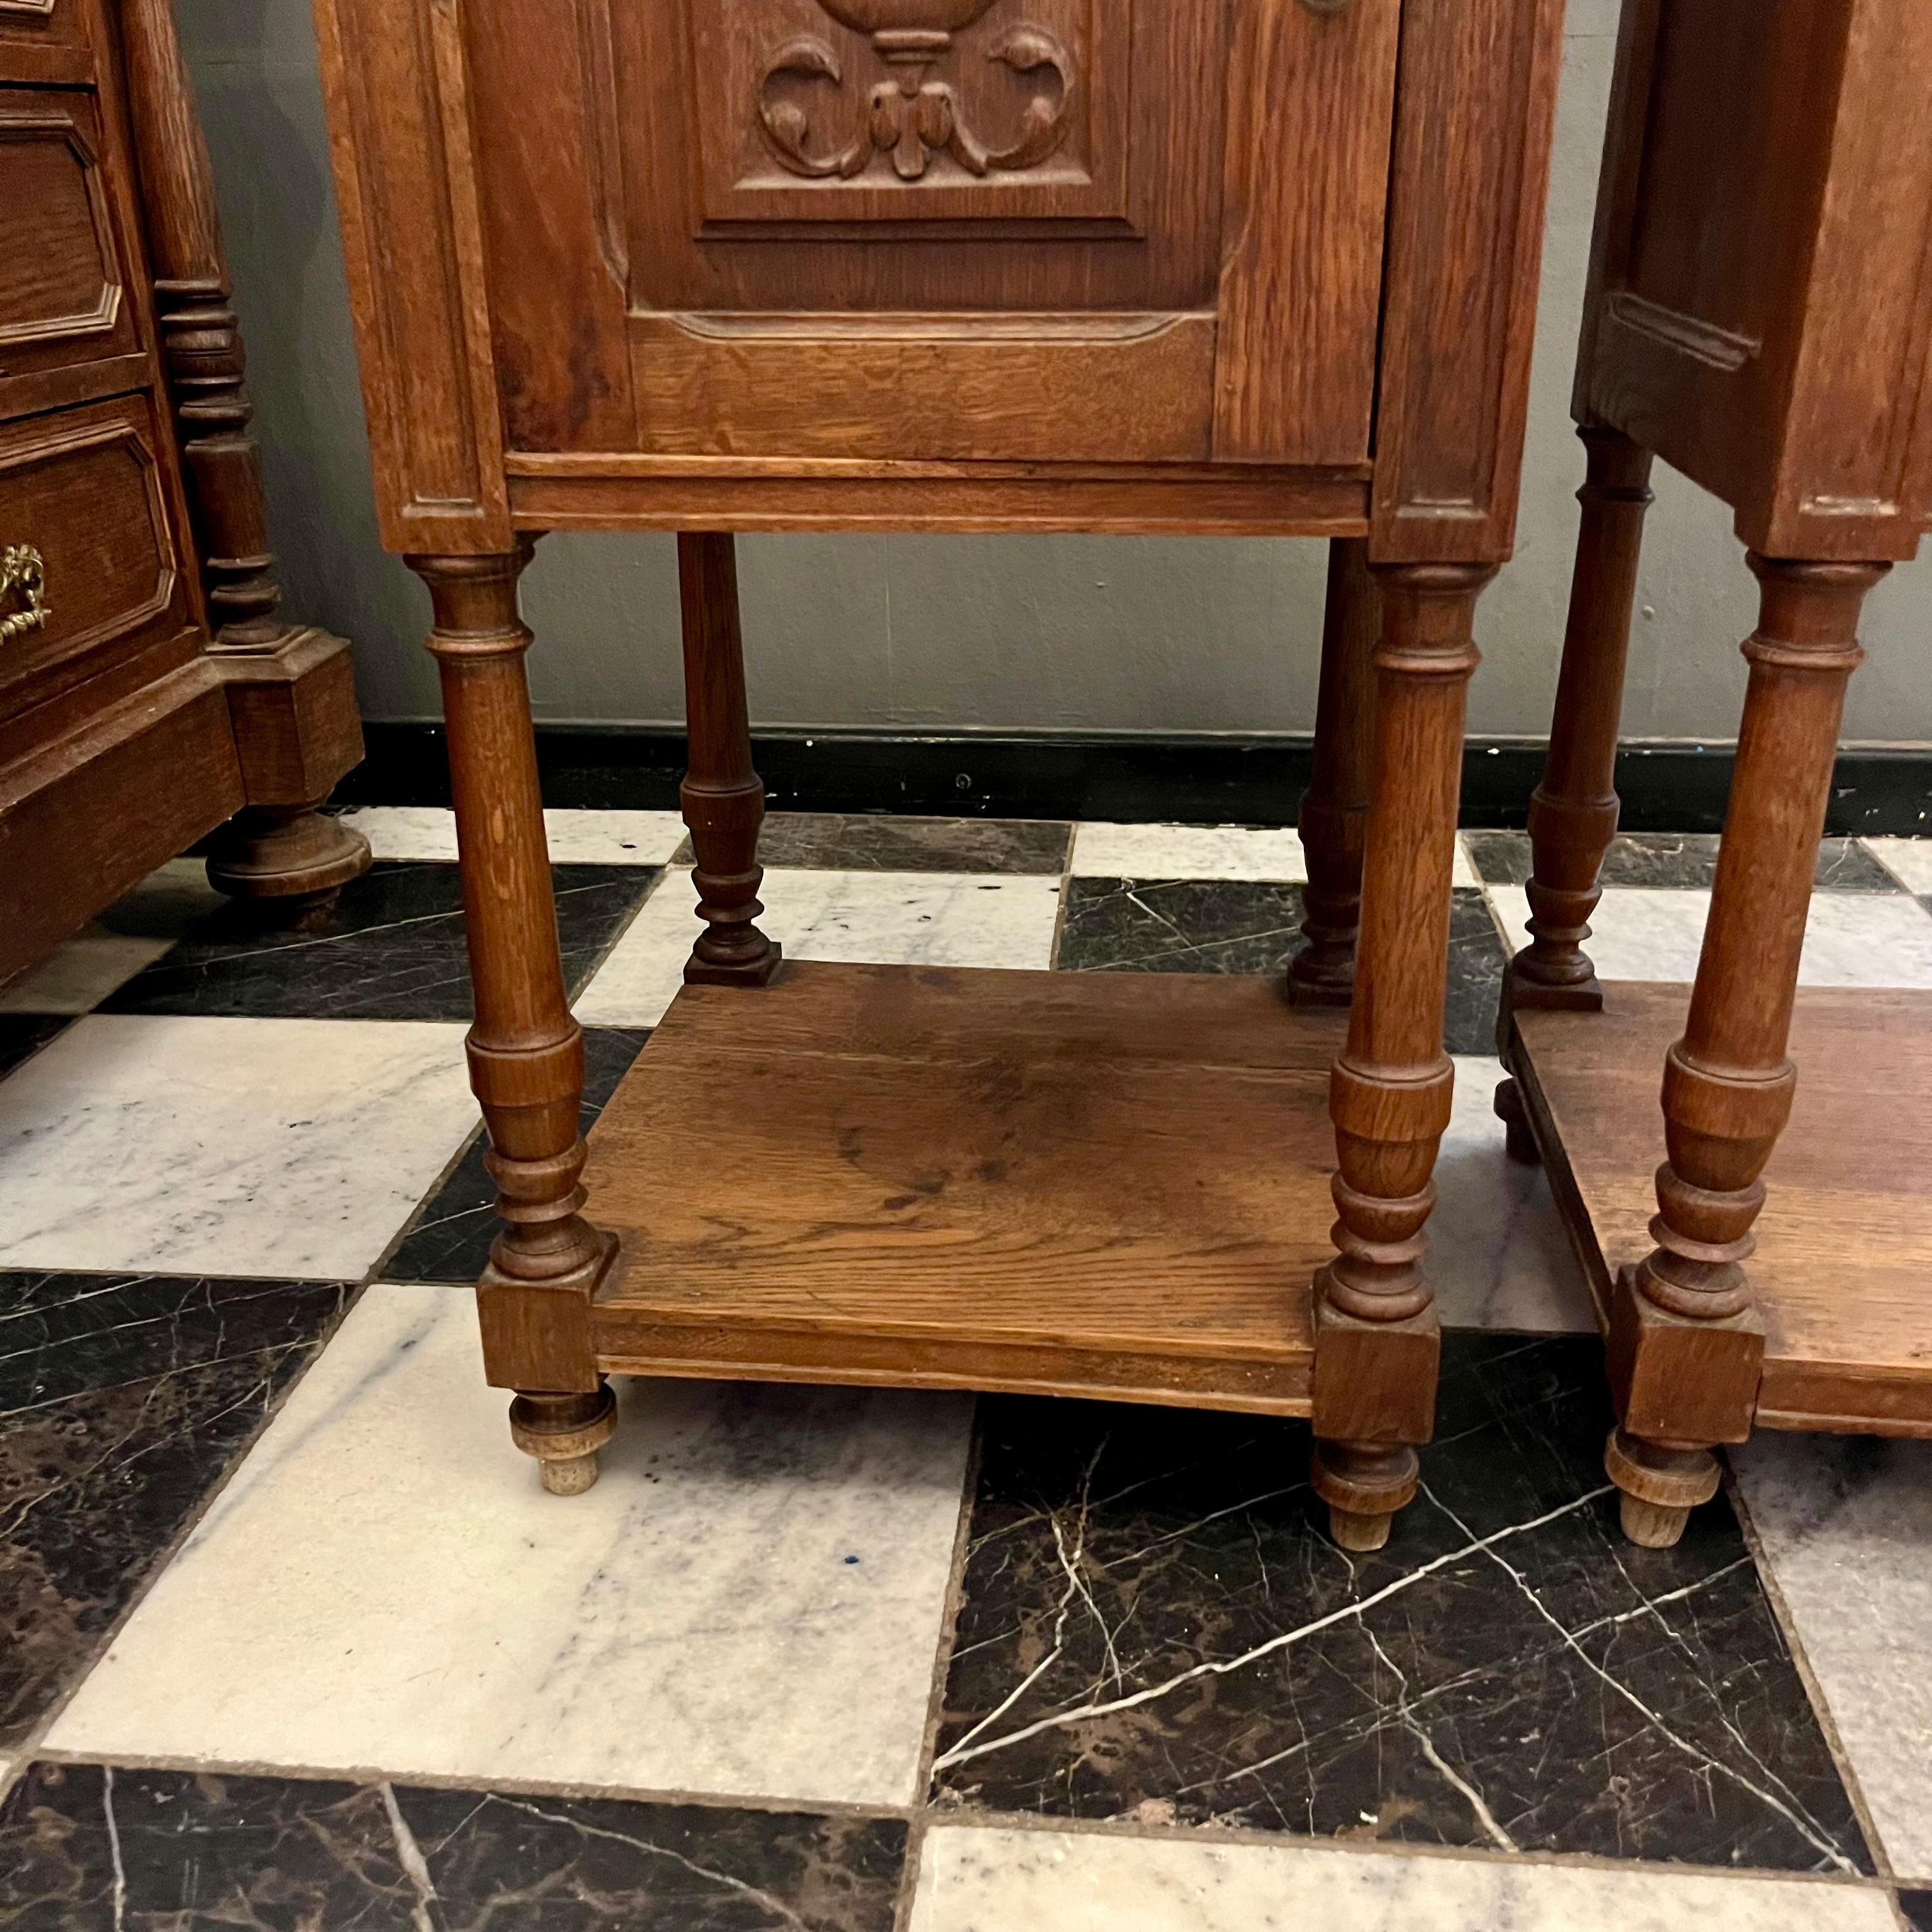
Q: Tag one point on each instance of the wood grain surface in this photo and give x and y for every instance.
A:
(1086, 1184)
(1844, 1243)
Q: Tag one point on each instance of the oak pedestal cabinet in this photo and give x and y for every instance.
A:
(150, 693)
(1232, 266)
(1760, 317)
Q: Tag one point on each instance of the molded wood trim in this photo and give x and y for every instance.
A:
(412, 242)
(1475, 105)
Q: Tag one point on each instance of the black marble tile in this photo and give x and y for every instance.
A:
(836, 842)
(23, 1035)
(1477, 960)
(1844, 866)
(449, 1239)
(1243, 925)
(1917, 1907)
(1153, 1629)
(393, 949)
(85, 1847)
(1673, 858)
(1179, 926)
(123, 1398)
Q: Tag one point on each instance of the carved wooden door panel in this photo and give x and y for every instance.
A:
(1097, 230)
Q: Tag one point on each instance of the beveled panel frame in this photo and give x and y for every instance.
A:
(67, 660)
(56, 124)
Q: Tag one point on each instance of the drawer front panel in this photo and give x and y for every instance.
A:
(64, 297)
(37, 35)
(82, 492)
(1037, 230)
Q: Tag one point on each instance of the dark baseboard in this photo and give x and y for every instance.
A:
(1202, 780)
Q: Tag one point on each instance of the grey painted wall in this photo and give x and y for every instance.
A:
(944, 634)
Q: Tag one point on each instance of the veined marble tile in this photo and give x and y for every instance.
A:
(1686, 859)
(925, 918)
(749, 1602)
(886, 842)
(1498, 1254)
(576, 838)
(273, 1148)
(1851, 939)
(973, 1879)
(83, 1847)
(123, 1399)
(1154, 1628)
(1203, 852)
(1253, 925)
(1908, 860)
(1846, 1525)
(392, 947)
(103, 956)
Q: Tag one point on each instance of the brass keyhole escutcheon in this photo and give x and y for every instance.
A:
(23, 579)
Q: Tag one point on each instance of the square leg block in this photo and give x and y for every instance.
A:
(1374, 1381)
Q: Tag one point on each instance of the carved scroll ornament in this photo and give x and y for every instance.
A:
(911, 115)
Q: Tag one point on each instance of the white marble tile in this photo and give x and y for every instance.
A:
(1908, 860)
(974, 1879)
(1102, 851)
(749, 1603)
(1847, 1527)
(927, 919)
(248, 1146)
(103, 956)
(1498, 1254)
(1851, 939)
(81, 972)
(576, 838)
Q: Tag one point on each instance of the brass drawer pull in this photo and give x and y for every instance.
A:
(23, 574)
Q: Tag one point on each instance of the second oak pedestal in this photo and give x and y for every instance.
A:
(1759, 317)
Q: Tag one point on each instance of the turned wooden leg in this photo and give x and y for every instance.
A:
(1686, 1346)
(288, 862)
(1378, 1341)
(1336, 808)
(1572, 817)
(723, 798)
(525, 1051)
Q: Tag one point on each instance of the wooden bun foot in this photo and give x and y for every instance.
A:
(1518, 1140)
(568, 1477)
(287, 865)
(1661, 1485)
(1652, 1525)
(1363, 1484)
(1359, 1533)
(564, 1433)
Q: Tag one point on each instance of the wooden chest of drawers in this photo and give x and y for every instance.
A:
(1250, 266)
(140, 708)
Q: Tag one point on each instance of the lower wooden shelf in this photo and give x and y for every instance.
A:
(1842, 1273)
(1110, 1185)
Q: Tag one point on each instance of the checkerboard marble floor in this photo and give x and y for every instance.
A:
(291, 1638)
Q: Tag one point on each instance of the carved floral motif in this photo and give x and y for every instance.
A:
(910, 114)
